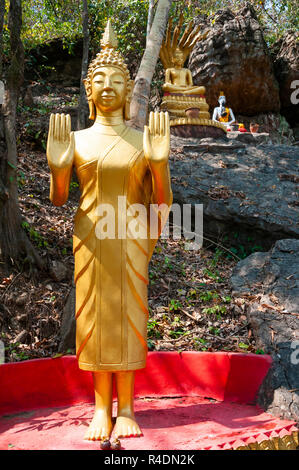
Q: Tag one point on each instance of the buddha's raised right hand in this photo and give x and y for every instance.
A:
(61, 141)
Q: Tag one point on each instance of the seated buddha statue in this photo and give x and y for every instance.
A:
(179, 79)
(179, 91)
(222, 113)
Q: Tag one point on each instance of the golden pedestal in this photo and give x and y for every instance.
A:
(183, 126)
(176, 104)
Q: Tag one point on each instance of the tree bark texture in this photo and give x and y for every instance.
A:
(141, 92)
(150, 18)
(13, 241)
(2, 11)
(83, 106)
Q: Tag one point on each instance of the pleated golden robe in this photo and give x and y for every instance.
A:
(111, 275)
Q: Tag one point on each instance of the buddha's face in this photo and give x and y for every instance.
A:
(178, 58)
(109, 89)
(222, 100)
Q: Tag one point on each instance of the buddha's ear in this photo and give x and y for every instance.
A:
(92, 111)
(87, 85)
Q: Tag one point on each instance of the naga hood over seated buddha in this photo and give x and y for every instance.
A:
(174, 53)
(179, 91)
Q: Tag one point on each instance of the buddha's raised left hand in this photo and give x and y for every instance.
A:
(156, 139)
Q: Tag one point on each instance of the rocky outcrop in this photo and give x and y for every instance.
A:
(270, 283)
(286, 67)
(248, 191)
(234, 58)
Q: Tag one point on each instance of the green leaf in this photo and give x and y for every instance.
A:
(259, 351)
(57, 355)
(12, 165)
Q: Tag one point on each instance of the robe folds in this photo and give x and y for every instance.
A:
(111, 274)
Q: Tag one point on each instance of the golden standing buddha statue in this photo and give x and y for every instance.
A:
(179, 91)
(111, 161)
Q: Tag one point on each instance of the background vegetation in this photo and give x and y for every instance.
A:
(44, 20)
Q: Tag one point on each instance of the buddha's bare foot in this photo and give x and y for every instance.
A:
(100, 427)
(126, 427)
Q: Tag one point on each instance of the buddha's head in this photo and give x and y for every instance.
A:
(178, 58)
(108, 85)
(222, 99)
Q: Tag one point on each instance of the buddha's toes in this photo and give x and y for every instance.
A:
(100, 427)
(126, 427)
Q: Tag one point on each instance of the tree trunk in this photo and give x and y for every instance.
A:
(83, 106)
(150, 17)
(13, 241)
(142, 87)
(2, 11)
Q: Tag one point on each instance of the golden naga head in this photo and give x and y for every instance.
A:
(174, 51)
(108, 62)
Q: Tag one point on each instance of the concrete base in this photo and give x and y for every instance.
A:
(183, 401)
(185, 423)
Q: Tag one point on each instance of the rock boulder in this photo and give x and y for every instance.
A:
(271, 280)
(234, 59)
(286, 67)
(248, 191)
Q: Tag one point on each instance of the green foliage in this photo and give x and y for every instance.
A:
(243, 346)
(174, 305)
(13, 349)
(176, 333)
(153, 329)
(259, 351)
(212, 274)
(73, 185)
(200, 343)
(275, 16)
(44, 20)
(35, 236)
(167, 263)
(207, 296)
(21, 179)
(129, 19)
(214, 331)
(216, 310)
(150, 344)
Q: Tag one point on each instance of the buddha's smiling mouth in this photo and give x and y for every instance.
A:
(106, 95)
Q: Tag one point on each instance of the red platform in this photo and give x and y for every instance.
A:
(184, 401)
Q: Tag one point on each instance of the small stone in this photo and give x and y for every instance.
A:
(58, 271)
(116, 445)
(105, 444)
